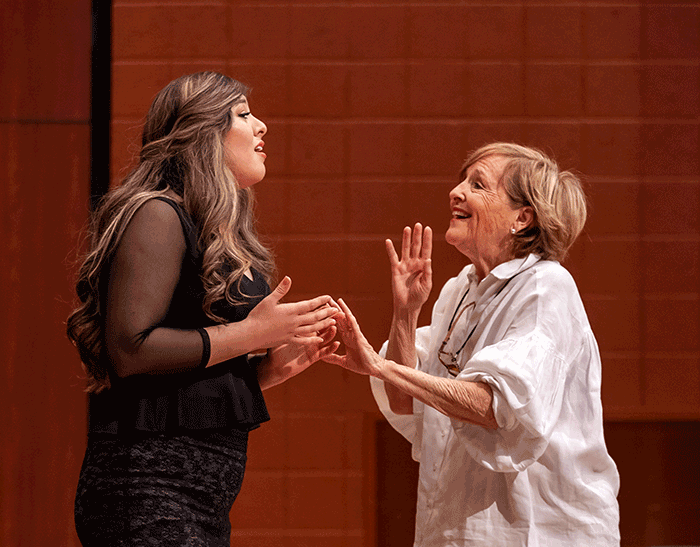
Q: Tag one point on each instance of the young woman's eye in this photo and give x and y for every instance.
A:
(244, 115)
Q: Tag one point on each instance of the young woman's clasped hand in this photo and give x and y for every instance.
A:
(298, 334)
(295, 335)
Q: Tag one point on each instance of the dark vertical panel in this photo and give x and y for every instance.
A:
(659, 481)
(397, 484)
(100, 104)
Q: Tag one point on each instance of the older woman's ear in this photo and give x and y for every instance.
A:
(525, 218)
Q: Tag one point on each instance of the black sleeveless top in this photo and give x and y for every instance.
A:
(226, 395)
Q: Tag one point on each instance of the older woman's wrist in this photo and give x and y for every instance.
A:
(381, 368)
(406, 316)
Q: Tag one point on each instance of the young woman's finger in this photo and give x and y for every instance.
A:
(306, 306)
(281, 289)
(334, 359)
(315, 327)
(328, 350)
(308, 340)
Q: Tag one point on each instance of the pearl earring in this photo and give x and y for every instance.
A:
(512, 231)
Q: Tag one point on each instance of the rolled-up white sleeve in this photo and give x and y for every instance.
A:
(527, 376)
(409, 425)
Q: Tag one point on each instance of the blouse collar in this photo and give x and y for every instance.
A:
(514, 267)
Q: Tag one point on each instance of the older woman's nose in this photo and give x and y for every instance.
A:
(458, 192)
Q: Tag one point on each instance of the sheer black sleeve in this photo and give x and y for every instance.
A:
(143, 276)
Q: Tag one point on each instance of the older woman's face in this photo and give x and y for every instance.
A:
(243, 146)
(482, 215)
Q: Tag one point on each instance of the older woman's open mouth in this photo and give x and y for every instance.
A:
(459, 214)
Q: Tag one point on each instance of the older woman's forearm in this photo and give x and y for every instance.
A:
(466, 401)
(401, 349)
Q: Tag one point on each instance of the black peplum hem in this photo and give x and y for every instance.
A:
(158, 404)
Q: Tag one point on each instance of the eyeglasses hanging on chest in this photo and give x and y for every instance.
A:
(449, 359)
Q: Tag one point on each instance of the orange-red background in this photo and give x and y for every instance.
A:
(371, 107)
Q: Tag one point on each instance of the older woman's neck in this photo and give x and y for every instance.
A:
(484, 265)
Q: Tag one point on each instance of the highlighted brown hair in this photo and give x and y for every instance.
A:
(182, 153)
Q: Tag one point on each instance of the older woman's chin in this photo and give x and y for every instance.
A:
(457, 242)
(451, 237)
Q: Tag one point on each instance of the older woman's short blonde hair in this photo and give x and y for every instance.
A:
(532, 179)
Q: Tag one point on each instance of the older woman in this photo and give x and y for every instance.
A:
(500, 394)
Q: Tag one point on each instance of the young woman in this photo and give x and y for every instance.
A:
(178, 329)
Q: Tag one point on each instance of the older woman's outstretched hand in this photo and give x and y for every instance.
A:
(360, 357)
(412, 274)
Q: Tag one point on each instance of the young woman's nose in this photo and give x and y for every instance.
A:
(261, 128)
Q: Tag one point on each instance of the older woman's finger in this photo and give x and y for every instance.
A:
(406, 243)
(334, 304)
(391, 251)
(416, 240)
(342, 322)
(352, 322)
(427, 247)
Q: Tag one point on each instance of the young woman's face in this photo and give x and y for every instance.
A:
(243, 146)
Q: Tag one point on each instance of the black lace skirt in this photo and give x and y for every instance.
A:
(159, 489)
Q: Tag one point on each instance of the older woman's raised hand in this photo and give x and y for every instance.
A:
(412, 274)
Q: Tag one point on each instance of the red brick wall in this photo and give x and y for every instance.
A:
(371, 107)
(44, 181)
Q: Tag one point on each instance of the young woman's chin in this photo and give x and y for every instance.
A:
(247, 182)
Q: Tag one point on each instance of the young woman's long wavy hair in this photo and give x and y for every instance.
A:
(183, 153)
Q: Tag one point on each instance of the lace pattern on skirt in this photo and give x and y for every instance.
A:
(159, 490)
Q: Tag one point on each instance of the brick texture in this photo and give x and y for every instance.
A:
(371, 108)
(44, 190)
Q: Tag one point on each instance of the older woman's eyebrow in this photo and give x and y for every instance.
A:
(477, 174)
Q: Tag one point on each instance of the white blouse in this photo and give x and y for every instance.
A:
(544, 477)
